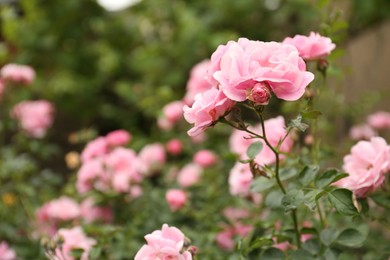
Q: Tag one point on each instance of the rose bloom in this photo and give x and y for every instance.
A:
(238, 66)
(176, 199)
(34, 117)
(95, 148)
(379, 120)
(64, 209)
(189, 175)
(151, 159)
(18, 73)
(205, 158)
(240, 179)
(208, 107)
(89, 212)
(167, 243)
(6, 253)
(275, 129)
(311, 47)
(90, 172)
(366, 165)
(118, 138)
(197, 82)
(362, 131)
(73, 238)
(174, 146)
(173, 111)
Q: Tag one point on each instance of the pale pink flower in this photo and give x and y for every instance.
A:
(197, 82)
(379, 120)
(275, 130)
(176, 199)
(189, 175)
(260, 94)
(205, 158)
(311, 47)
(118, 138)
(239, 66)
(174, 146)
(366, 165)
(73, 238)
(151, 159)
(167, 243)
(34, 117)
(362, 131)
(208, 107)
(90, 212)
(6, 253)
(135, 191)
(225, 240)
(234, 214)
(173, 111)
(240, 179)
(90, 172)
(164, 124)
(95, 148)
(63, 209)
(18, 73)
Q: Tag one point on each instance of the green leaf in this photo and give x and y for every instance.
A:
(351, 238)
(273, 254)
(328, 177)
(254, 149)
(311, 198)
(286, 174)
(328, 236)
(311, 246)
(261, 242)
(274, 199)
(341, 199)
(77, 252)
(329, 254)
(262, 184)
(381, 200)
(292, 200)
(297, 123)
(300, 255)
(312, 114)
(308, 174)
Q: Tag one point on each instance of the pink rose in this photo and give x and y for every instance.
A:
(189, 175)
(151, 159)
(275, 130)
(6, 253)
(174, 146)
(239, 66)
(18, 73)
(205, 158)
(197, 82)
(73, 238)
(167, 243)
(90, 212)
(176, 199)
(208, 107)
(311, 47)
(379, 120)
(225, 239)
(366, 165)
(95, 148)
(90, 172)
(260, 94)
(235, 214)
(63, 209)
(362, 131)
(173, 111)
(118, 138)
(240, 179)
(34, 117)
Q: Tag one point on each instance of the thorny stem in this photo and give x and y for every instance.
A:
(277, 153)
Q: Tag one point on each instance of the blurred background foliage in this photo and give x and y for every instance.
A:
(110, 70)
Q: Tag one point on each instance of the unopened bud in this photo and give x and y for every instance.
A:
(260, 94)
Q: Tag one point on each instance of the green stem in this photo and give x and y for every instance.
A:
(318, 206)
(296, 228)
